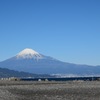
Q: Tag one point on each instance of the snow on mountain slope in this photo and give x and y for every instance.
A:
(28, 54)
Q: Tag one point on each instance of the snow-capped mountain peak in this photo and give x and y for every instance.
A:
(29, 53)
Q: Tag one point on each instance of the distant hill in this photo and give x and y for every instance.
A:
(5, 73)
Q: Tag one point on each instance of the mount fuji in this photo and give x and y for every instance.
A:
(31, 61)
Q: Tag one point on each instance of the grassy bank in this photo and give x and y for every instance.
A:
(77, 90)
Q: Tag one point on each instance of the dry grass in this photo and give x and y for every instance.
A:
(11, 90)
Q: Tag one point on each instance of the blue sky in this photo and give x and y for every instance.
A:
(68, 30)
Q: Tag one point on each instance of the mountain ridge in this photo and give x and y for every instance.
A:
(46, 65)
(6, 73)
